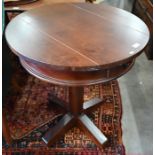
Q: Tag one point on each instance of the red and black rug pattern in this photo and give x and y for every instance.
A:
(30, 112)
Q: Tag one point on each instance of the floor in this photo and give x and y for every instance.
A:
(137, 98)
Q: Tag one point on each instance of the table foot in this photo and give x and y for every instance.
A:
(59, 129)
(91, 130)
(77, 117)
(67, 122)
(92, 104)
(54, 100)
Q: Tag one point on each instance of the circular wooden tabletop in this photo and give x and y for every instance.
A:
(77, 36)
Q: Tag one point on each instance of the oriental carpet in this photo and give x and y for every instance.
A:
(30, 111)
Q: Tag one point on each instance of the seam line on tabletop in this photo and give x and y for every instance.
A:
(93, 13)
(62, 43)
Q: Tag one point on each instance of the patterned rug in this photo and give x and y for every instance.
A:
(30, 112)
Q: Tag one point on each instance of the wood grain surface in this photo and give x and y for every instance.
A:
(38, 3)
(8, 3)
(77, 35)
(73, 45)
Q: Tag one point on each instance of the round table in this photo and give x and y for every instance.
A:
(75, 45)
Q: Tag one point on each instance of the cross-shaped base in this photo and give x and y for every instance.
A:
(77, 116)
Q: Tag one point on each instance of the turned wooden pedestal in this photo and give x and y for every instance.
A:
(76, 45)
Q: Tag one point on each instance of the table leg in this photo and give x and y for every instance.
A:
(76, 100)
(92, 104)
(76, 116)
(59, 130)
(91, 130)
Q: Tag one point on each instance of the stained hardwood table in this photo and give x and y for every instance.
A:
(75, 45)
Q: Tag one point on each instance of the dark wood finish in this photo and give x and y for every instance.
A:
(77, 117)
(65, 28)
(55, 101)
(57, 131)
(76, 45)
(91, 104)
(76, 100)
(91, 130)
(76, 78)
(19, 7)
(38, 3)
(19, 2)
(144, 10)
(91, 1)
